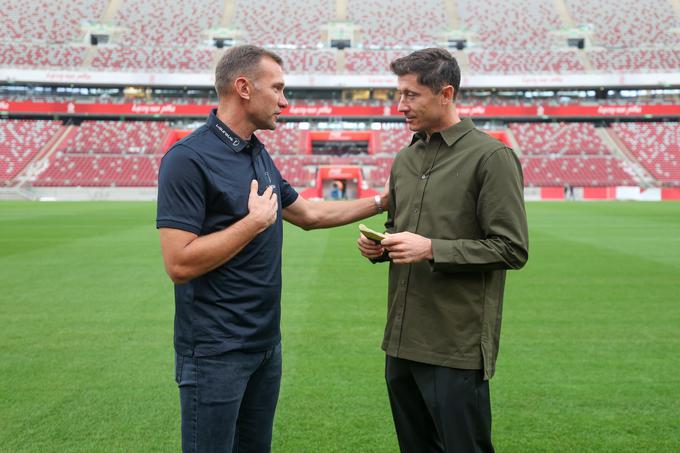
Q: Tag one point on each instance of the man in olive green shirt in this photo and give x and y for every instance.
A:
(456, 222)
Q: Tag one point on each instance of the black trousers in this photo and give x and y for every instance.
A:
(438, 409)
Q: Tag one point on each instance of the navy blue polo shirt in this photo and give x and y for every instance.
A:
(203, 187)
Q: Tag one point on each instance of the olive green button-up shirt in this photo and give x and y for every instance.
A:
(463, 190)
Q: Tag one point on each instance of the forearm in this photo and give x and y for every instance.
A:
(335, 213)
(205, 253)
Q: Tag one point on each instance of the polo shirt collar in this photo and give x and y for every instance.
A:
(232, 140)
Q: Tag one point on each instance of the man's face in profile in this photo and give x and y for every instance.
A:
(424, 110)
(267, 100)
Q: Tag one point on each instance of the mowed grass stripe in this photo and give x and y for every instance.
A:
(588, 335)
(332, 396)
(588, 357)
(627, 227)
(85, 343)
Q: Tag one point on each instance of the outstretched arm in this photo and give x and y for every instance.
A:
(310, 215)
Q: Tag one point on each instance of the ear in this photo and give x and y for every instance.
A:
(447, 94)
(242, 87)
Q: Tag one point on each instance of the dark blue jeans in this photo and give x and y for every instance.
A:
(228, 401)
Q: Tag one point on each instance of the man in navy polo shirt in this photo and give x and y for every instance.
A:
(220, 204)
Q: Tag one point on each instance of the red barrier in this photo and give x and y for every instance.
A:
(599, 193)
(670, 193)
(552, 193)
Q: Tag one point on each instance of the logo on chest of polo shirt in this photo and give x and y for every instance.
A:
(234, 141)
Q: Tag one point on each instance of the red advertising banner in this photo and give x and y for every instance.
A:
(478, 111)
(610, 110)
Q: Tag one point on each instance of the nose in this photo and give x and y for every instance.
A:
(402, 107)
(283, 102)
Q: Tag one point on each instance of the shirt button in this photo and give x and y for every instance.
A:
(424, 176)
(415, 211)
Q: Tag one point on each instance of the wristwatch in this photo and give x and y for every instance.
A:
(378, 204)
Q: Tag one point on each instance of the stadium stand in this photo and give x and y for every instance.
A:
(524, 61)
(567, 153)
(511, 24)
(20, 141)
(48, 56)
(284, 22)
(371, 61)
(47, 22)
(385, 23)
(627, 23)
(295, 170)
(141, 58)
(162, 23)
(514, 37)
(309, 61)
(125, 154)
(392, 138)
(576, 171)
(558, 139)
(74, 170)
(117, 137)
(107, 154)
(286, 139)
(656, 146)
(635, 59)
(505, 36)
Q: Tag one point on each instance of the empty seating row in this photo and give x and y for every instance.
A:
(100, 171)
(576, 171)
(386, 23)
(324, 61)
(110, 153)
(627, 23)
(284, 22)
(558, 139)
(511, 24)
(53, 21)
(20, 141)
(117, 137)
(656, 146)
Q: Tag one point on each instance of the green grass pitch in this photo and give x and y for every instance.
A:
(589, 360)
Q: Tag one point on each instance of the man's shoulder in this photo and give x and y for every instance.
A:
(189, 147)
(407, 149)
(484, 141)
(195, 140)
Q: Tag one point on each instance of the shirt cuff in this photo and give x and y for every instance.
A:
(167, 223)
(444, 254)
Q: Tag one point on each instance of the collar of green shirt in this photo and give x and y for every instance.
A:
(451, 134)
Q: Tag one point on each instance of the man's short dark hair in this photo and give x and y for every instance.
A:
(434, 67)
(240, 61)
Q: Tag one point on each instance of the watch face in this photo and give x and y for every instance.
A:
(378, 204)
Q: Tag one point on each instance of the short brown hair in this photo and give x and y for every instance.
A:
(238, 61)
(434, 67)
